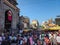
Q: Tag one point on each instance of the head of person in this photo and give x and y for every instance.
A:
(35, 36)
(58, 31)
(46, 37)
(12, 34)
(51, 33)
(18, 37)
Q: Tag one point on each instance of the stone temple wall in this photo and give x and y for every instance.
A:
(15, 18)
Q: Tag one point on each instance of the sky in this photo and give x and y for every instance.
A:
(40, 10)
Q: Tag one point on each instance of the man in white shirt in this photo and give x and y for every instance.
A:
(58, 38)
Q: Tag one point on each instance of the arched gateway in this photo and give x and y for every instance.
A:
(8, 19)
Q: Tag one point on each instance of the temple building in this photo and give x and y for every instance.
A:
(24, 22)
(9, 14)
(35, 24)
(57, 20)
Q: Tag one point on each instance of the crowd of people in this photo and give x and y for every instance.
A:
(30, 38)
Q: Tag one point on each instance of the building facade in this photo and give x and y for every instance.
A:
(25, 22)
(9, 14)
(57, 20)
(35, 24)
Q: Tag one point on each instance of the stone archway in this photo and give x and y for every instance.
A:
(8, 19)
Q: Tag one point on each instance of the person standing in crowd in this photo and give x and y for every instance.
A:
(40, 38)
(3, 36)
(54, 40)
(29, 39)
(3, 39)
(12, 38)
(46, 41)
(25, 40)
(50, 35)
(58, 38)
(7, 40)
(21, 32)
(36, 40)
(19, 40)
(0, 39)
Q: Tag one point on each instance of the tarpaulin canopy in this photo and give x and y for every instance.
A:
(55, 28)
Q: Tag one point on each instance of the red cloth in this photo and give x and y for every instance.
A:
(9, 17)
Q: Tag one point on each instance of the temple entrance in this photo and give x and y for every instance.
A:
(8, 19)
